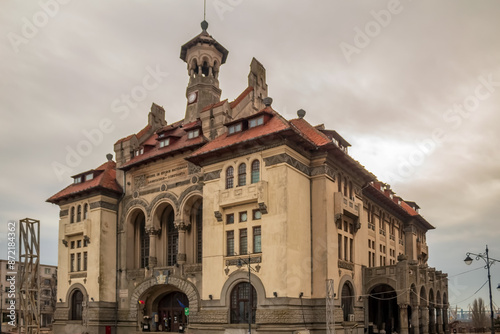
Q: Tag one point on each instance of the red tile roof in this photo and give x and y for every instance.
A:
(240, 97)
(104, 178)
(214, 105)
(274, 125)
(408, 209)
(179, 144)
(139, 134)
(309, 132)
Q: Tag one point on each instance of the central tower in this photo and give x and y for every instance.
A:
(203, 56)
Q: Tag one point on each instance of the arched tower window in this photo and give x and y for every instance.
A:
(347, 303)
(255, 171)
(242, 175)
(72, 215)
(229, 177)
(242, 296)
(76, 305)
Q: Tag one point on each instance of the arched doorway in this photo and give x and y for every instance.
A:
(383, 310)
(171, 311)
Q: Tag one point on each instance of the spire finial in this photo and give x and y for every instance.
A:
(204, 24)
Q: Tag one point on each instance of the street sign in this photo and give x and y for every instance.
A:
(186, 311)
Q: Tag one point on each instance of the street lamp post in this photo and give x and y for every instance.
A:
(489, 261)
(250, 291)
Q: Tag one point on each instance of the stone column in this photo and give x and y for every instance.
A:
(445, 320)
(403, 318)
(153, 236)
(414, 319)
(181, 253)
(432, 321)
(439, 320)
(425, 319)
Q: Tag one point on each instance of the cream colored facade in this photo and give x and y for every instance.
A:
(194, 203)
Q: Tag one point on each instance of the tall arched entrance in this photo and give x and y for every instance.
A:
(171, 311)
(383, 310)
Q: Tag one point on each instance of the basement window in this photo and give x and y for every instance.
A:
(234, 128)
(165, 142)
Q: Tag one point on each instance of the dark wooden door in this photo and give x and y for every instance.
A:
(171, 312)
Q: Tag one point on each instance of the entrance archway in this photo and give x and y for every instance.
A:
(171, 311)
(383, 310)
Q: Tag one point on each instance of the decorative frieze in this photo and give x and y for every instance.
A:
(104, 205)
(212, 175)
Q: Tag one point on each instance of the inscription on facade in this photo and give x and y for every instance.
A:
(161, 176)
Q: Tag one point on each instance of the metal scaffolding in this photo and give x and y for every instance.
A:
(330, 317)
(29, 261)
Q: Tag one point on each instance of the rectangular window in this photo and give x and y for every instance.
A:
(79, 244)
(243, 217)
(346, 252)
(351, 250)
(193, 133)
(257, 247)
(165, 142)
(72, 245)
(230, 243)
(234, 128)
(256, 122)
(72, 263)
(230, 218)
(369, 259)
(256, 214)
(78, 261)
(84, 261)
(243, 242)
(78, 179)
(340, 246)
(373, 259)
(85, 242)
(46, 281)
(89, 177)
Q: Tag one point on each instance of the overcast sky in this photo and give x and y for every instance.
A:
(413, 86)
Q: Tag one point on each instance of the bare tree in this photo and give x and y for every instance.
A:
(479, 318)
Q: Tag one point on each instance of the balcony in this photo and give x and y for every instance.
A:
(250, 193)
(345, 205)
(82, 227)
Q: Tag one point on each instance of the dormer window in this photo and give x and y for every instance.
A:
(234, 128)
(78, 179)
(139, 151)
(89, 177)
(193, 133)
(165, 142)
(256, 121)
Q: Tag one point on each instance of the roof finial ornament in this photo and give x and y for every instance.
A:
(109, 156)
(267, 101)
(204, 24)
(301, 113)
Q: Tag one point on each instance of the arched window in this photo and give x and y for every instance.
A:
(241, 296)
(85, 211)
(347, 303)
(345, 186)
(79, 213)
(255, 171)
(199, 233)
(76, 305)
(229, 177)
(242, 175)
(143, 242)
(339, 183)
(72, 215)
(172, 240)
(350, 190)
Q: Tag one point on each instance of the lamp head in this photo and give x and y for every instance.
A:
(498, 287)
(239, 264)
(468, 260)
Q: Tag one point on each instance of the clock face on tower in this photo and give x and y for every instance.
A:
(192, 97)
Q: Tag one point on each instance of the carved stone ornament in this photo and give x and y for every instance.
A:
(181, 225)
(162, 276)
(86, 239)
(65, 242)
(152, 231)
(263, 208)
(218, 215)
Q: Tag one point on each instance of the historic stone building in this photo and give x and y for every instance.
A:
(192, 210)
